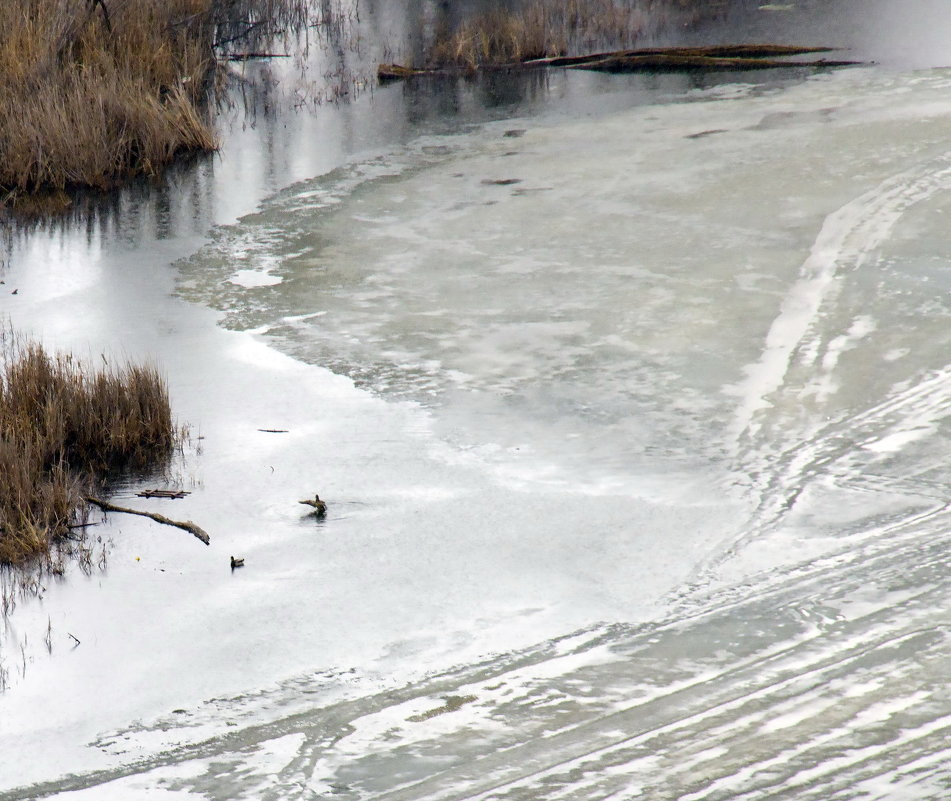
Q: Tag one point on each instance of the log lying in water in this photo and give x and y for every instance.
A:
(396, 72)
(187, 525)
(714, 57)
(662, 63)
(163, 493)
(757, 51)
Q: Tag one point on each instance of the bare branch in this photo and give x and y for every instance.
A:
(187, 525)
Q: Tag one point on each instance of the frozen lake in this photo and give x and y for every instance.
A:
(630, 400)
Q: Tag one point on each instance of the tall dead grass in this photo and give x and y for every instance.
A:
(548, 28)
(92, 96)
(63, 428)
(93, 92)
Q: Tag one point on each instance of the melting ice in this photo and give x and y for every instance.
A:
(641, 452)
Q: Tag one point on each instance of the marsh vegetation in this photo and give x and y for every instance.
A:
(101, 92)
(106, 90)
(506, 33)
(66, 428)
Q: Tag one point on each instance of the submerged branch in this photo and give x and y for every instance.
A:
(187, 525)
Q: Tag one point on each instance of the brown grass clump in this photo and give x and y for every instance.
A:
(64, 428)
(93, 92)
(550, 28)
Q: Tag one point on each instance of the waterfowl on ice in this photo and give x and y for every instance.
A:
(237, 562)
(320, 508)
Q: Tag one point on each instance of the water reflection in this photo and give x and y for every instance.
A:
(181, 202)
(288, 119)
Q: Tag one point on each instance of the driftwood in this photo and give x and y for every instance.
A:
(163, 493)
(187, 525)
(396, 72)
(252, 56)
(654, 59)
(711, 51)
(691, 63)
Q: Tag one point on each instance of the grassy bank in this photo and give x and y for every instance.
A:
(64, 428)
(97, 92)
(549, 28)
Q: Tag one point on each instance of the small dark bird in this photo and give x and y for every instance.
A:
(320, 508)
(236, 563)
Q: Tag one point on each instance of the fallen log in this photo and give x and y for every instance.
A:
(254, 56)
(187, 525)
(713, 57)
(163, 493)
(711, 51)
(677, 63)
(397, 72)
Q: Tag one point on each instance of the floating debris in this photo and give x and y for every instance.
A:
(162, 493)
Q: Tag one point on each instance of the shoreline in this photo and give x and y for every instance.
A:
(165, 606)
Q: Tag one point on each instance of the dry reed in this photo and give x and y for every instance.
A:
(550, 28)
(64, 428)
(93, 93)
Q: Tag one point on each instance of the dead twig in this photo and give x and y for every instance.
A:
(242, 35)
(187, 525)
(105, 12)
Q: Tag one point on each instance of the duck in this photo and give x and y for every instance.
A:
(320, 508)
(237, 562)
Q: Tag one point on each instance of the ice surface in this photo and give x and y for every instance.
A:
(636, 470)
